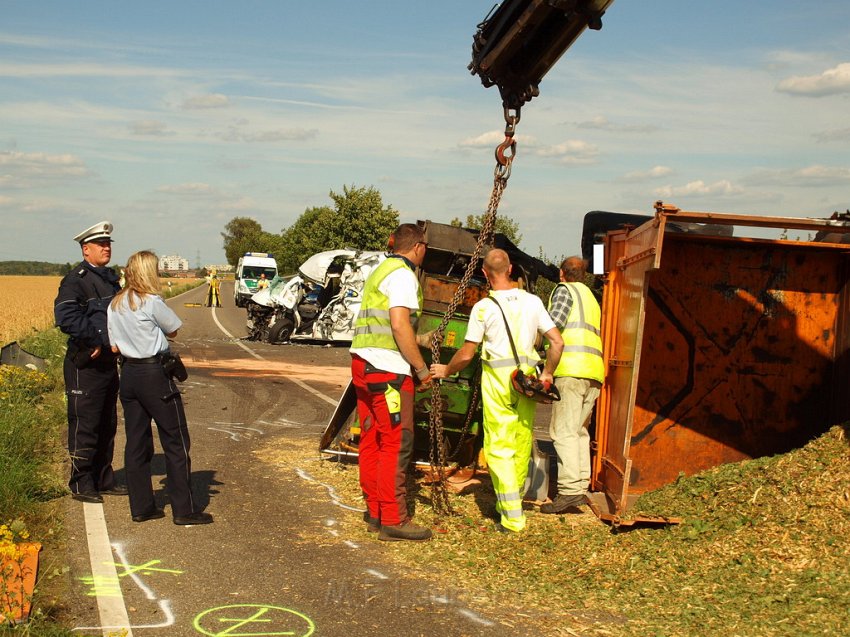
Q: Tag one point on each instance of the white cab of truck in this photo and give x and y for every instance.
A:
(251, 265)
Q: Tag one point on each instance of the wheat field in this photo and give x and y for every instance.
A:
(26, 305)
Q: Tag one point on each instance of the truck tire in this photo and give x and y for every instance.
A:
(281, 331)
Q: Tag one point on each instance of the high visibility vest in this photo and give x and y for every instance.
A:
(372, 328)
(582, 357)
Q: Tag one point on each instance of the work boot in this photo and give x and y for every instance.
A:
(373, 525)
(407, 530)
(563, 502)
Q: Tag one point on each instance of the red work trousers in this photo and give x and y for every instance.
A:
(385, 411)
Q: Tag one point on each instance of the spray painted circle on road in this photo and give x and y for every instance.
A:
(253, 620)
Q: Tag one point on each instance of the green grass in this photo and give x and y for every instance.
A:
(32, 424)
(762, 550)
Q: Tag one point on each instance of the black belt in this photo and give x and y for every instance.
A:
(142, 361)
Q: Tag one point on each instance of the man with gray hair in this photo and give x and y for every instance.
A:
(578, 377)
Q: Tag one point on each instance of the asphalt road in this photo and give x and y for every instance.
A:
(272, 563)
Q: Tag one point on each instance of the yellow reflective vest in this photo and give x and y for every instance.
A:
(372, 328)
(582, 357)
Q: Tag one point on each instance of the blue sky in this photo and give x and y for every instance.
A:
(171, 118)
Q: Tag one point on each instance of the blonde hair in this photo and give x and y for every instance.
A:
(141, 277)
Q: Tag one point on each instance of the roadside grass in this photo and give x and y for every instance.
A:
(32, 418)
(763, 550)
(174, 290)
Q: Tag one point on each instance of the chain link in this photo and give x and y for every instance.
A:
(437, 452)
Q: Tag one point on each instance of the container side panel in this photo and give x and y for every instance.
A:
(624, 298)
(737, 355)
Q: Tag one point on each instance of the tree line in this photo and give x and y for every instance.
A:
(34, 268)
(357, 219)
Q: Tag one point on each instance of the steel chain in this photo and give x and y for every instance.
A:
(439, 492)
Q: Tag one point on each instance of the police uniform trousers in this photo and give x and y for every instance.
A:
(92, 393)
(148, 393)
(385, 412)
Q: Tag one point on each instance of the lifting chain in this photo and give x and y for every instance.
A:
(505, 154)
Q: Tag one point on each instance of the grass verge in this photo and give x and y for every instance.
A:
(762, 551)
(32, 422)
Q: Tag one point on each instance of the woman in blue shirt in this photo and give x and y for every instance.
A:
(140, 324)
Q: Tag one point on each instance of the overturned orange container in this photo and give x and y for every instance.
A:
(718, 348)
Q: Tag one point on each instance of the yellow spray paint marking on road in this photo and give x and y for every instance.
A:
(253, 620)
(193, 305)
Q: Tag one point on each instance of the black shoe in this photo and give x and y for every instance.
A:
(116, 489)
(92, 497)
(373, 525)
(193, 518)
(563, 502)
(152, 515)
(503, 529)
(407, 530)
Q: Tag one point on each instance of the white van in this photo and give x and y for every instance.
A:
(251, 265)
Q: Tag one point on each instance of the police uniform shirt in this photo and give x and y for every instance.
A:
(401, 289)
(141, 333)
(486, 319)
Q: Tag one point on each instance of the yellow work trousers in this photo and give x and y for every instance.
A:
(508, 435)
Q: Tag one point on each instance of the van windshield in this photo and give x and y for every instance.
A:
(254, 272)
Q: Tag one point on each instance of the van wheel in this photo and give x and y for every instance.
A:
(281, 331)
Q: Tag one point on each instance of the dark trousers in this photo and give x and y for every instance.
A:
(147, 393)
(92, 421)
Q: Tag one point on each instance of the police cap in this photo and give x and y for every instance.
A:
(101, 231)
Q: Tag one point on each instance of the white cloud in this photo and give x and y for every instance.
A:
(150, 127)
(655, 172)
(831, 82)
(573, 151)
(236, 134)
(189, 188)
(211, 100)
(6, 201)
(10, 69)
(16, 164)
(601, 123)
(699, 188)
(835, 135)
(493, 138)
(809, 176)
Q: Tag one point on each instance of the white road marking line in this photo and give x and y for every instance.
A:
(475, 617)
(233, 435)
(378, 574)
(298, 382)
(335, 499)
(112, 610)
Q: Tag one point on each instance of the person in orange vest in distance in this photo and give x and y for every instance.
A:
(384, 360)
(262, 282)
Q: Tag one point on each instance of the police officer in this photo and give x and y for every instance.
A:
(140, 324)
(91, 375)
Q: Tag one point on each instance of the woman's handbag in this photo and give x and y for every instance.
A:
(528, 384)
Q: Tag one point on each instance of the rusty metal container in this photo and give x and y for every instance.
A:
(717, 348)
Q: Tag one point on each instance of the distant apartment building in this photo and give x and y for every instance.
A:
(173, 264)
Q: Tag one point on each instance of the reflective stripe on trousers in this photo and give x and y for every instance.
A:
(508, 436)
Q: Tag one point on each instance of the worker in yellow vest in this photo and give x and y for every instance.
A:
(384, 360)
(214, 292)
(508, 415)
(579, 378)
